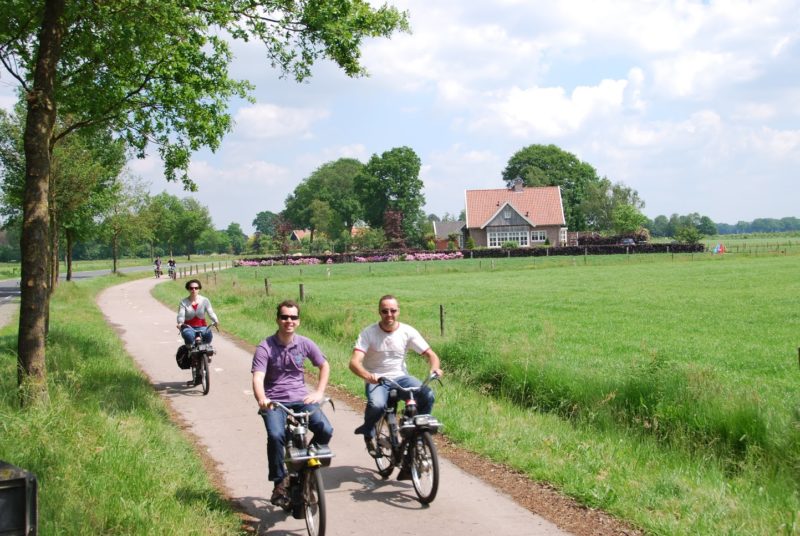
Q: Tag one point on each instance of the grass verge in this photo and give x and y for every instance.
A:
(107, 458)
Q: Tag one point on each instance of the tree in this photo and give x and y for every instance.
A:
(237, 238)
(155, 74)
(193, 220)
(688, 234)
(264, 222)
(627, 219)
(602, 199)
(122, 223)
(548, 165)
(332, 184)
(390, 184)
(706, 226)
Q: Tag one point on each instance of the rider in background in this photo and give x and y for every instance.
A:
(380, 352)
(171, 264)
(192, 313)
(278, 375)
(157, 263)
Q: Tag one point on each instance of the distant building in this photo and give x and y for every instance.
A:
(442, 231)
(527, 216)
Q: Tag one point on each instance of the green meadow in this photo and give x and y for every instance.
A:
(660, 388)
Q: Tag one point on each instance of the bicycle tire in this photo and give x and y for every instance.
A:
(205, 376)
(383, 440)
(314, 503)
(425, 467)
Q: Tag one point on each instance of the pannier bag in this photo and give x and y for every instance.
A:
(182, 357)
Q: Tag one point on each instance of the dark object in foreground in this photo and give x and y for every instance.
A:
(18, 515)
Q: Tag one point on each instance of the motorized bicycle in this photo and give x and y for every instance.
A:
(197, 358)
(305, 494)
(405, 440)
(171, 271)
(157, 271)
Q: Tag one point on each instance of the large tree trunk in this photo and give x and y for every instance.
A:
(35, 292)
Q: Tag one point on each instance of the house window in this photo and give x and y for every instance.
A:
(497, 238)
(538, 236)
(507, 214)
(562, 236)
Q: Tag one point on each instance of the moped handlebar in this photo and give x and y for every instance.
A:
(391, 383)
(299, 414)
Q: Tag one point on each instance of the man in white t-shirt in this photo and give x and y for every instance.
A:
(380, 352)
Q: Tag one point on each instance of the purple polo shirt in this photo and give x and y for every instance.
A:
(283, 366)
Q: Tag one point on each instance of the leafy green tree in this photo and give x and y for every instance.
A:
(213, 241)
(264, 222)
(332, 184)
(236, 238)
(659, 226)
(706, 226)
(156, 73)
(122, 222)
(602, 199)
(688, 234)
(390, 182)
(193, 220)
(548, 165)
(626, 219)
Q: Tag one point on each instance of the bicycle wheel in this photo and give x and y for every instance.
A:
(383, 439)
(425, 468)
(205, 377)
(314, 503)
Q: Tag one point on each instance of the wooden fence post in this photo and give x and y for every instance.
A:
(441, 321)
(266, 285)
(302, 293)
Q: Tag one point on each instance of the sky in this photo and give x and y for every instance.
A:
(694, 104)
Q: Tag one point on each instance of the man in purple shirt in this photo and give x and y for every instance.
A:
(278, 375)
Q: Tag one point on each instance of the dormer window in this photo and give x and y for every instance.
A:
(507, 214)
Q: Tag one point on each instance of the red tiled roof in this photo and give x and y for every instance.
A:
(540, 205)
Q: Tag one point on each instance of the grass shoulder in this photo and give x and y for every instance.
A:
(105, 444)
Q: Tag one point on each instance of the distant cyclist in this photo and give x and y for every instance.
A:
(192, 313)
(157, 267)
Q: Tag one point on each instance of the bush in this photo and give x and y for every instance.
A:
(511, 244)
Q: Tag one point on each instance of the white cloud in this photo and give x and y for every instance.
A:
(698, 74)
(549, 112)
(266, 121)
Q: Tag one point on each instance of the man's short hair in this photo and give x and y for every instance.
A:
(287, 303)
(386, 297)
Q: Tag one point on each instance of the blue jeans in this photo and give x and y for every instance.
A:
(378, 395)
(275, 421)
(188, 334)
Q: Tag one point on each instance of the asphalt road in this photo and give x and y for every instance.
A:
(226, 426)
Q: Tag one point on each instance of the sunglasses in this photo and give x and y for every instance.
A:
(194, 288)
(288, 317)
(387, 311)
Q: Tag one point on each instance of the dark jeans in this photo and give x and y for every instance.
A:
(378, 395)
(188, 334)
(275, 421)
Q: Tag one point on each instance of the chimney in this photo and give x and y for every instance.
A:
(516, 186)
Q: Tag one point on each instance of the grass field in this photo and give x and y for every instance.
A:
(108, 460)
(661, 388)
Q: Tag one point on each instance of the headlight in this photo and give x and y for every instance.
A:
(421, 420)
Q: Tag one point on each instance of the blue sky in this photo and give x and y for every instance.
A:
(696, 105)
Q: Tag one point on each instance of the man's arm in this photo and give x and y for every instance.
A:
(433, 359)
(319, 393)
(357, 367)
(258, 390)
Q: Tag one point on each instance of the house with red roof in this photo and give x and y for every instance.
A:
(528, 216)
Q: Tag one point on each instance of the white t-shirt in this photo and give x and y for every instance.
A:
(385, 353)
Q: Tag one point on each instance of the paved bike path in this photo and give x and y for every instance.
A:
(227, 427)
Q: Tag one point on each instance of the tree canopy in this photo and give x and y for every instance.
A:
(390, 183)
(549, 165)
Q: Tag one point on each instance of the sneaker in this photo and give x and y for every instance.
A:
(372, 448)
(278, 494)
